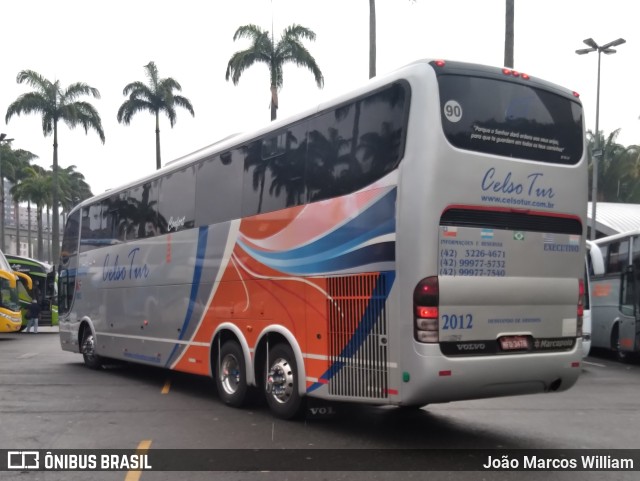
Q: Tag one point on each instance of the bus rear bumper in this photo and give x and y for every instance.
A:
(462, 378)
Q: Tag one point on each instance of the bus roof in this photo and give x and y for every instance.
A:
(615, 218)
(377, 82)
(614, 237)
(13, 259)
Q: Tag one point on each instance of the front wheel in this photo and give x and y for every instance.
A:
(281, 387)
(231, 374)
(621, 356)
(88, 348)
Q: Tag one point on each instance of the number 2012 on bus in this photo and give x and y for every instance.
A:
(457, 321)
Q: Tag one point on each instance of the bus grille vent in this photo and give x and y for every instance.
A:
(358, 336)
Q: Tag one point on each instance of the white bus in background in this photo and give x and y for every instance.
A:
(418, 240)
(615, 312)
(594, 265)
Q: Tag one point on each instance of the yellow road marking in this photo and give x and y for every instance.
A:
(142, 448)
(166, 387)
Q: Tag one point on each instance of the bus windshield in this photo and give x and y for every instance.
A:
(510, 119)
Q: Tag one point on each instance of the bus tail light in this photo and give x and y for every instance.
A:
(426, 297)
(580, 313)
(515, 73)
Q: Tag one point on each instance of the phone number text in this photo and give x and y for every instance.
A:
(450, 271)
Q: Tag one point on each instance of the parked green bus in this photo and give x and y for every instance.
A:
(44, 288)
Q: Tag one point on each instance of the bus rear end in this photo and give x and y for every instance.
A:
(495, 265)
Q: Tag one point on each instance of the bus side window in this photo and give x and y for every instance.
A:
(142, 203)
(604, 249)
(629, 292)
(97, 225)
(177, 200)
(618, 256)
(219, 188)
(635, 253)
(274, 171)
(356, 144)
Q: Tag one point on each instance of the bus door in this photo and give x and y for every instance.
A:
(629, 317)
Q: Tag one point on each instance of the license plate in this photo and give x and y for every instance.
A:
(514, 343)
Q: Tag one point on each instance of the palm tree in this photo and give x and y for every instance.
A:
(158, 96)
(55, 103)
(632, 161)
(263, 50)
(36, 188)
(509, 34)
(615, 170)
(73, 188)
(12, 161)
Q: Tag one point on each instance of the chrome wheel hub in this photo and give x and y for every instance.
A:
(230, 374)
(89, 347)
(280, 381)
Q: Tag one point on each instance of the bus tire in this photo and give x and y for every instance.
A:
(231, 374)
(281, 387)
(88, 348)
(621, 356)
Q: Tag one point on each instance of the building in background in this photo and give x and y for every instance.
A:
(615, 218)
(11, 224)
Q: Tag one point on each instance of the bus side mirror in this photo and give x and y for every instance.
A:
(596, 260)
(628, 293)
(27, 280)
(9, 276)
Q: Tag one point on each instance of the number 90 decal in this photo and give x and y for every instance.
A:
(453, 111)
(457, 321)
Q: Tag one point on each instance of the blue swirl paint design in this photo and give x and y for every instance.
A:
(351, 245)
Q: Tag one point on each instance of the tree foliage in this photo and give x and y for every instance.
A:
(54, 103)
(263, 49)
(618, 169)
(157, 96)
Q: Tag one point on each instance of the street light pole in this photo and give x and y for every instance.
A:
(597, 154)
(3, 139)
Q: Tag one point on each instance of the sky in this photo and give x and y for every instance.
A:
(106, 45)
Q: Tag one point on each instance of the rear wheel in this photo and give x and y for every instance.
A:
(621, 355)
(281, 387)
(88, 348)
(231, 374)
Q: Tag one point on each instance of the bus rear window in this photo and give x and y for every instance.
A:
(510, 119)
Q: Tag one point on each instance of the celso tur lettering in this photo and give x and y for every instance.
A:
(114, 272)
(507, 185)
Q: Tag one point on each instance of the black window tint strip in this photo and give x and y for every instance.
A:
(511, 221)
